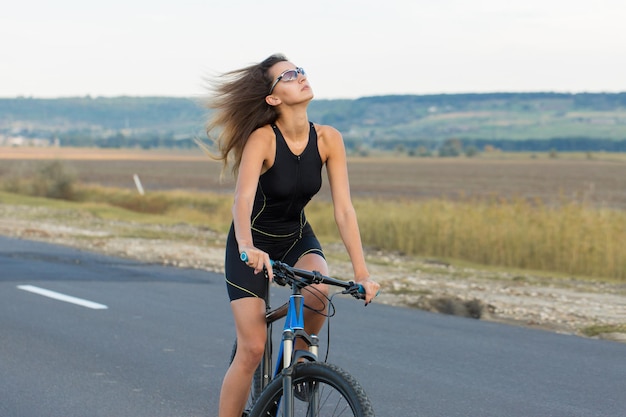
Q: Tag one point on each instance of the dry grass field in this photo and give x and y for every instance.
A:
(599, 181)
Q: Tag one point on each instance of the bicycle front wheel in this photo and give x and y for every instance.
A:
(320, 390)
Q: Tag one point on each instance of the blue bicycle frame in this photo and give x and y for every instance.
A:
(293, 328)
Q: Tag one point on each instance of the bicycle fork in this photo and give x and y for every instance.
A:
(294, 328)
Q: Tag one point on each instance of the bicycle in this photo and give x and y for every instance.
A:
(315, 388)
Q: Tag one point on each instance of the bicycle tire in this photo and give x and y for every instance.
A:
(339, 394)
(257, 381)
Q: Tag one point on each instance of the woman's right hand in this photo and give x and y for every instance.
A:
(257, 259)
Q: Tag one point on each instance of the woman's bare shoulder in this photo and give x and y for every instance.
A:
(326, 130)
(261, 147)
(263, 134)
(328, 134)
(330, 141)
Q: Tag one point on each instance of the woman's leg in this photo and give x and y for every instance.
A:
(313, 321)
(249, 315)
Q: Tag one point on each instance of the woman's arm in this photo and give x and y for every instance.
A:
(254, 160)
(334, 154)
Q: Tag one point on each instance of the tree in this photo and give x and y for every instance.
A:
(471, 151)
(451, 148)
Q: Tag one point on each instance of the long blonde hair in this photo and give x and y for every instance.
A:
(239, 108)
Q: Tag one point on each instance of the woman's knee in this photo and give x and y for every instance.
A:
(250, 352)
(249, 316)
(315, 296)
(313, 262)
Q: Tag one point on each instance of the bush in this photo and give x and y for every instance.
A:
(52, 180)
(55, 180)
(471, 151)
(451, 148)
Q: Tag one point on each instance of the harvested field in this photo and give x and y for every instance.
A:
(601, 183)
(598, 182)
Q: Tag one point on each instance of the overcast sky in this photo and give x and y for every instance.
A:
(350, 48)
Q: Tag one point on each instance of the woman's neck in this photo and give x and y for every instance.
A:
(294, 124)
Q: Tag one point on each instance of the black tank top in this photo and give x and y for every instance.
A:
(286, 188)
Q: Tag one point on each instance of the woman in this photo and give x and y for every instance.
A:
(261, 114)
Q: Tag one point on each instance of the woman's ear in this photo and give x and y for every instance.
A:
(272, 100)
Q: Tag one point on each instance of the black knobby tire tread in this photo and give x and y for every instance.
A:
(325, 372)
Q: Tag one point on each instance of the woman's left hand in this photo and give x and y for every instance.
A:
(371, 289)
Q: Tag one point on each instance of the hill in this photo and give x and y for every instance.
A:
(511, 121)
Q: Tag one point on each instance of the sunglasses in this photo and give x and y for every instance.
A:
(289, 75)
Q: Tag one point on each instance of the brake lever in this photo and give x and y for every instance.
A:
(355, 290)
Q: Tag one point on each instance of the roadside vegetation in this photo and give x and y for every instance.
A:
(569, 238)
(594, 331)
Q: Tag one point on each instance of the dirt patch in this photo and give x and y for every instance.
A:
(564, 305)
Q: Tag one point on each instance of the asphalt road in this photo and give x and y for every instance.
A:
(146, 340)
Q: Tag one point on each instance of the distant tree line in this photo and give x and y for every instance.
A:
(456, 147)
(120, 140)
(421, 125)
(449, 147)
(575, 144)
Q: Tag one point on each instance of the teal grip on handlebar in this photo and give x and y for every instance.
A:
(243, 257)
(362, 290)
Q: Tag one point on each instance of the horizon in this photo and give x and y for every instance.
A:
(555, 93)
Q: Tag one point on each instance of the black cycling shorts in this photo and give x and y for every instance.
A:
(241, 281)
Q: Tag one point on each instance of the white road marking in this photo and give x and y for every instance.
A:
(62, 297)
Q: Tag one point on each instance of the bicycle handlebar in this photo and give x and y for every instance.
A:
(285, 274)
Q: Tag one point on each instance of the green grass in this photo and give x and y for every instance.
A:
(597, 330)
(20, 199)
(71, 211)
(510, 124)
(169, 206)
